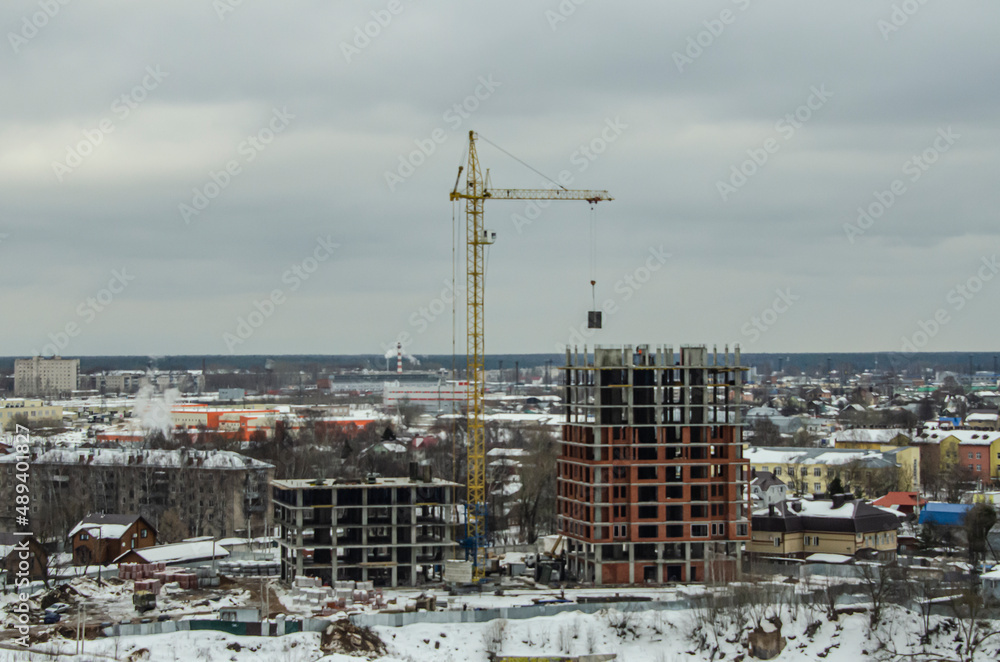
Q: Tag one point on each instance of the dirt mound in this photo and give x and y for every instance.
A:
(345, 637)
(62, 593)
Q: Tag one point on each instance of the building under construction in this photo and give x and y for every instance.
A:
(383, 530)
(651, 483)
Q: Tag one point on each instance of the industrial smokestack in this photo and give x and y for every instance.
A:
(399, 358)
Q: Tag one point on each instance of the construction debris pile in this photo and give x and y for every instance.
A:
(345, 637)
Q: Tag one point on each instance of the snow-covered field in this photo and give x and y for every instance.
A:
(639, 636)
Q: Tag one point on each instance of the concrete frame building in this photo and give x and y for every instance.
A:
(651, 483)
(40, 376)
(383, 530)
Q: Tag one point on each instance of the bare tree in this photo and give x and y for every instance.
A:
(172, 528)
(408, 412)
(766, 433)
(881, 583)
(535, 501)
(974, 627)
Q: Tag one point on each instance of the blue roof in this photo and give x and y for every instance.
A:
(947, 514)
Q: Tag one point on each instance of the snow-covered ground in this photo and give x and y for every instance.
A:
(634, 635)
(645, 636)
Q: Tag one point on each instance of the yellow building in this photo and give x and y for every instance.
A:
(810, 470)
(956, 445)
(982, 421)
(799, 529)
(32, 410)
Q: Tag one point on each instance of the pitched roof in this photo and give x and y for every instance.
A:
(899, 499)
(765, 480)
(179, 552)
(871, 435)
(8, 541)
(821, 515)
(106, 526)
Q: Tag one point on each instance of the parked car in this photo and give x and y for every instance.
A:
(57, 608)
(51, 617)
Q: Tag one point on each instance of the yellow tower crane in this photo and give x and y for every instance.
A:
(477, 192)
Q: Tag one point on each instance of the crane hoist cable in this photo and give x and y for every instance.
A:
(593, 255)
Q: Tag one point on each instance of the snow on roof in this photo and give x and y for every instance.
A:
(870, 435)
(501, 451)
(828, 558)
(825, 508)
(180, 552)
(156, 458)
(235, 542)
(975, 437)
(981, 416)
(513, 417)
(789, 455)
(101, 531)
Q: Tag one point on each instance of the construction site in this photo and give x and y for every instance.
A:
(388, 531)
(652, 485)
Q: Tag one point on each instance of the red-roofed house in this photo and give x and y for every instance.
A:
(904, 502)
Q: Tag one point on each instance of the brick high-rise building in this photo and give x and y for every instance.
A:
(651, 483)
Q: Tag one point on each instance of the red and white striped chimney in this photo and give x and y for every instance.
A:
(399, 358)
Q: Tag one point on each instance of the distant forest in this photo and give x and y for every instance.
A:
(809, 363)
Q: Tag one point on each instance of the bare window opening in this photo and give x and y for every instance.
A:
(646, 473)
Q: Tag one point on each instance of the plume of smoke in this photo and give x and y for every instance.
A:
(152, 408)
(391, 353)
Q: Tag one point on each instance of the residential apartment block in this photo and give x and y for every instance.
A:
(384, 530)
(651, 480)
(39, 376)
(810, 470)
(212, 492)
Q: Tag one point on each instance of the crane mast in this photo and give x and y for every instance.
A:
(477, 237)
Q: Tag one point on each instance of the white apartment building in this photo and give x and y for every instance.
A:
(40, 376)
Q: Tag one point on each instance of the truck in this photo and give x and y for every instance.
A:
(144, 601)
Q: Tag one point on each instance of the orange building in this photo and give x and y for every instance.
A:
(651, 481)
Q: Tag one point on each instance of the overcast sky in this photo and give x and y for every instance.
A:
(273, 177)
